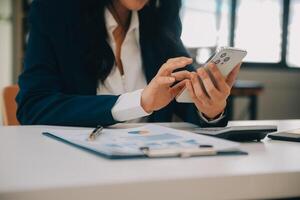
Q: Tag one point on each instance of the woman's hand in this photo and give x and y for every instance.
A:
(159, 92)
(210, 96)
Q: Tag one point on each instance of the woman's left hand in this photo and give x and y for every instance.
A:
(210, 97)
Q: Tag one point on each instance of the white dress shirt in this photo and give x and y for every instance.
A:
(131, 84)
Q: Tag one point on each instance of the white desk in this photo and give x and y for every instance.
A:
(33, 166)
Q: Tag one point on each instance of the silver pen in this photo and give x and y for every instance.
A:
(96, 132)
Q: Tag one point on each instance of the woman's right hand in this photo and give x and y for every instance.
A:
(159, 92)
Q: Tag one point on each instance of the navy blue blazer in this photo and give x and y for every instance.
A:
(55, 87)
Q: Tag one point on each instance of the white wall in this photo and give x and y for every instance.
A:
(281, 98)
(5, 44)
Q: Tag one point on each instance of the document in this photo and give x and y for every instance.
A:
(128, 142)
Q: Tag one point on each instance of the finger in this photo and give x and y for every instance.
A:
(176, 89)
(220, 80)
(198, 90)
(233, 75)
(175, 63)
(181, 75)
(178, 59)
(168, 68)
(192, 94)
(208, 85)
(164, 80)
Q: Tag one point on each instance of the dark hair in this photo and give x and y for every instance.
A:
(156, 20)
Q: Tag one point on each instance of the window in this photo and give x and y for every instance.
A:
(293, 51)
(205, 25)
(267, 29)
(258, 29)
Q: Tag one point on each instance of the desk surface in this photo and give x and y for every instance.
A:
(33, 166)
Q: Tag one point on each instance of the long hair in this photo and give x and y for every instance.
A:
(156, 20)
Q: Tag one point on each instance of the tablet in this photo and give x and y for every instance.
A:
(291, 135)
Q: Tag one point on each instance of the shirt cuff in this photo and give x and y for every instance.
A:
(214, 121)
(128, 107)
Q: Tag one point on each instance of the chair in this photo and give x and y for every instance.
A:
(9, 107)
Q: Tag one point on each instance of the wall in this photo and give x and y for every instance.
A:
(281, 99)
(5, 44)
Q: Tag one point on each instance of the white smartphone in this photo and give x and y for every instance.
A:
(226, 58)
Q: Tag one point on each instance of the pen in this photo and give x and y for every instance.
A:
(96, 132)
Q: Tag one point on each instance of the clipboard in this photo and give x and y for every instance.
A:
(150, 141)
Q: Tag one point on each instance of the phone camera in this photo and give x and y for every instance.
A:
(217, 62)
(226, 59)
(223, 55)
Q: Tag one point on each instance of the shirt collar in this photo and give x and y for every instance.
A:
(111, 24)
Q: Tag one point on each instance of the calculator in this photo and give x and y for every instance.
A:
(238, 133)
(291, 135)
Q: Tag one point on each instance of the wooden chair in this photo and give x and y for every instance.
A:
(9, 107)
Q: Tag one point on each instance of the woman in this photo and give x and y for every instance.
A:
(107, 61)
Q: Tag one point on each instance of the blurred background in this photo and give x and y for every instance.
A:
(269, 82)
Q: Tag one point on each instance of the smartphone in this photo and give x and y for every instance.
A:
(226, 58)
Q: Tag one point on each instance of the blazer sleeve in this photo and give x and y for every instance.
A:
(41, 99)
(189, 112)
